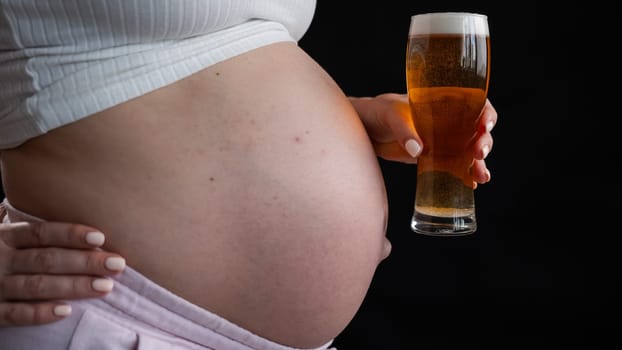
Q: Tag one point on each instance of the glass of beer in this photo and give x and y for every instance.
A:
(447, 71)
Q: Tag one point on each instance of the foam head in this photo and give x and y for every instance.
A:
(449, 23)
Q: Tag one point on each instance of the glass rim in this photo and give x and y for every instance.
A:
(451, 14)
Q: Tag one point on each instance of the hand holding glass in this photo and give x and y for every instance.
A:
(447, 70)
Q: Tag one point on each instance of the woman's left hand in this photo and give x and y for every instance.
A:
(43, 264)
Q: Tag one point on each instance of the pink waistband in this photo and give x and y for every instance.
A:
(139, 305)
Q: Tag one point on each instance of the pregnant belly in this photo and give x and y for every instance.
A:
(249, 189)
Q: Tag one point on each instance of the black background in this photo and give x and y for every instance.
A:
(542, 271)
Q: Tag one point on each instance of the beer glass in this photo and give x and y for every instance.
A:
(447, 71)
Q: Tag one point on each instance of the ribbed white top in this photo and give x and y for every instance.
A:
(61, 61)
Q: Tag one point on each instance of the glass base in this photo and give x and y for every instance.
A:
(443, 225)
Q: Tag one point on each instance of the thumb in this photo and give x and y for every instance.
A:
(389, 125)
(399, 121)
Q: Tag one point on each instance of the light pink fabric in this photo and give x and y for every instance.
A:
(137, 314)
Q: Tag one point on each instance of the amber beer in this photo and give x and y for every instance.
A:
(447, 70)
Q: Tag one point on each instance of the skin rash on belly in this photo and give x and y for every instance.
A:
(249, 188)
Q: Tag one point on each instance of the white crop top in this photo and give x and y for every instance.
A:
(61, 61)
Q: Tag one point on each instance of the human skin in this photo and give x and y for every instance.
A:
(251, 189)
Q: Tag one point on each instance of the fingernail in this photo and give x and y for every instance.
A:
(62, 310)
(95, 238)
(413, 148)
(485, 151)
(115, 263)
(488, 176)
(489, 126)
(102, 285)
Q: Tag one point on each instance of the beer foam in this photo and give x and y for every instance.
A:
(449, 23)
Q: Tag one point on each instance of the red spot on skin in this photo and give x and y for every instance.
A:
(297, 139)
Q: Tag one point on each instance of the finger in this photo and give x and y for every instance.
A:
(65, 261)
(482, 141)
(45, 234)
(398, 119)
(27, 314)
(482, 146)
(47, 287)
(387, 119)
(488, 118)
(480, 173)
(393, 151)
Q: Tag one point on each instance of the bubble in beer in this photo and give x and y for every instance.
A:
(443, 190)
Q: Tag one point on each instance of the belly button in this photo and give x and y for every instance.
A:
(386, 248)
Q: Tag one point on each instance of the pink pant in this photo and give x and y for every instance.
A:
(137, 314)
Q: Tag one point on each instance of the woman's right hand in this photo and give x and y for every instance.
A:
(43, 263)
(388, 122)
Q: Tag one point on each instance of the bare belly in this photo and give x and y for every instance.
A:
(249, 188)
